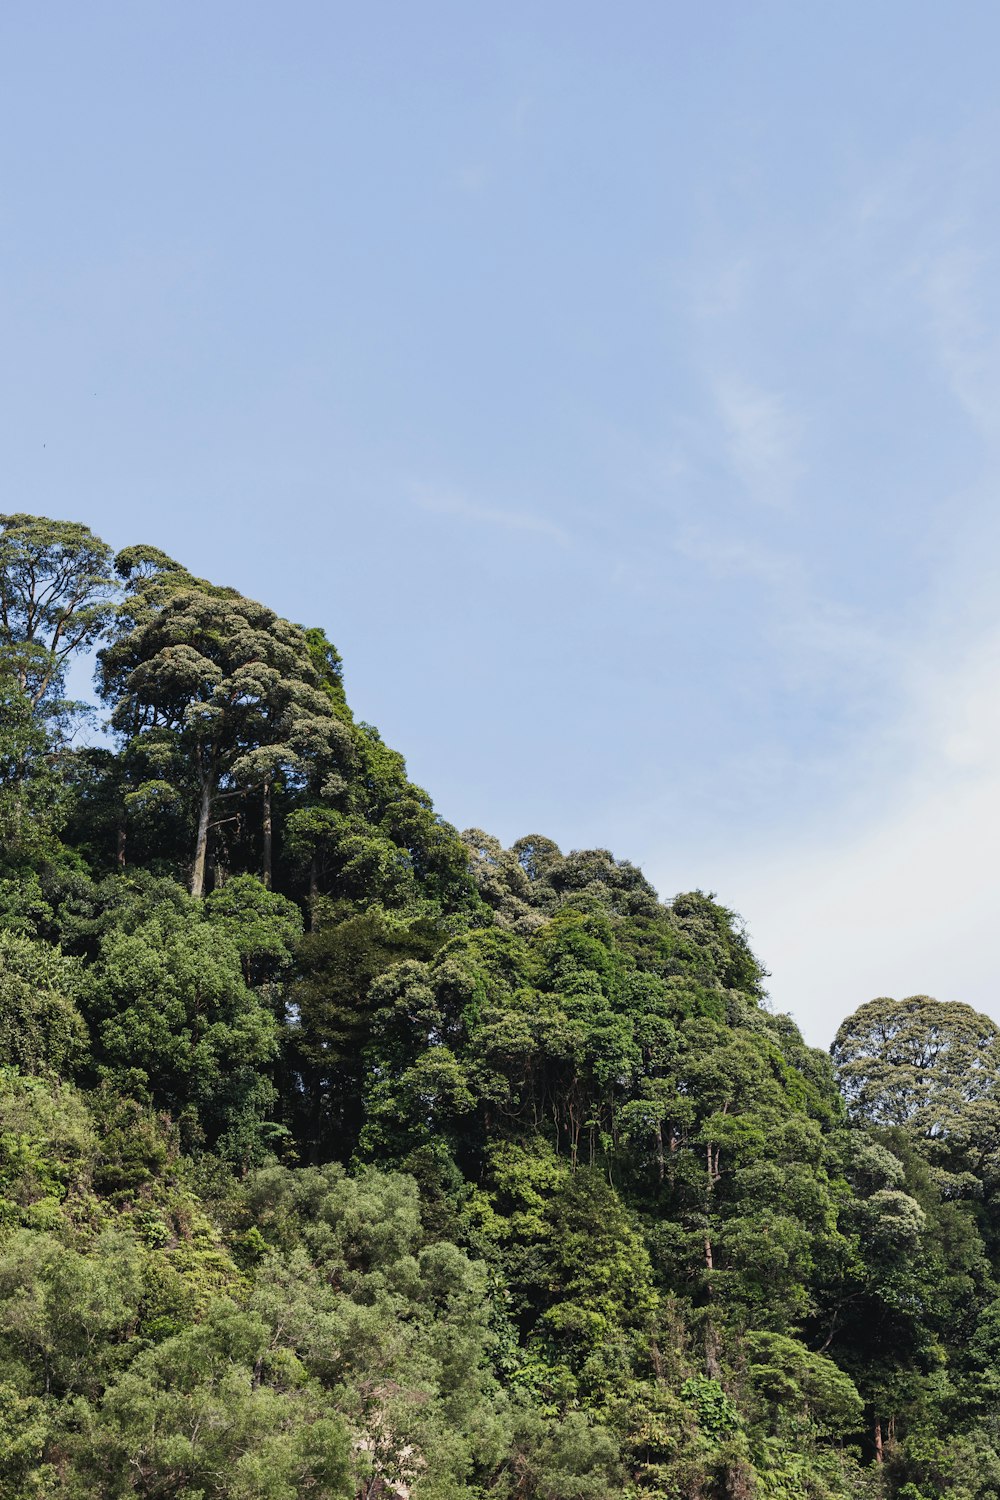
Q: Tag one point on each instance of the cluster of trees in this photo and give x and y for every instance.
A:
(342, 1155)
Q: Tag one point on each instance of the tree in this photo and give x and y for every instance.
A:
(929, 1067)
(804, 1390)
(570, 1458)
(62, 1313)
(33, 794)
(41, 1029)
(218, 1412)
(57, 593)
(533, 880)
(263, 926)
(217, 694)
(601, 1298)
(327, 1046)
(48, 1148)
(399, 1329)
(175, 1022)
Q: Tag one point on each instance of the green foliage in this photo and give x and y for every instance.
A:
(568, 1459)
(263, 926)
(216, 696)
(41, 1028)
(56, 597)
(33, 794)
(174, 1020)
(716, 1414)
(930, 1068)
(217, 1412)
(342, 1156)
(48, 1148)
(802, 1388)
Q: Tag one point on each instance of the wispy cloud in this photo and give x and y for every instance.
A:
(905, 905)
(950, 280)
(725, 555)
(899, 894)
(761, 439)
(888, 883)
(861, 838)
(446, 503)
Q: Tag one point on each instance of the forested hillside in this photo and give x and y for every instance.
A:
(343, 1155)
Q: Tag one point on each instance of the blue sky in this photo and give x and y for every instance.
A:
(618, 385)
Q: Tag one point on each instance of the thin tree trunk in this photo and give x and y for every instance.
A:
(313, 891)
(709, 1264)
(712, 1367)
(201, 844)
(878, 1441)
(266, 873)
(120, 846)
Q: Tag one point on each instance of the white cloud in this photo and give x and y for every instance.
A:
(891, 885)
(907, 901)
(448, 504)
(910, 907)
(718, 291)
(890, 882)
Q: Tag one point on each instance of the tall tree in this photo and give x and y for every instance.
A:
(216, 692)
(928, 1066)
(57, 594)
(32, 791)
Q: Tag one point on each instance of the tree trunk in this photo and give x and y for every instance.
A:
(709, 1264)
(120, 846)
(201, 844)
(313, 891)
(266, 871)
(878, 1441)
(712, 1367)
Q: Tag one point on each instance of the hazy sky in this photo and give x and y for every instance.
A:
(619, 385)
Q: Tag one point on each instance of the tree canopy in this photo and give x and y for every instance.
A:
(346, 1156)
(56, 593)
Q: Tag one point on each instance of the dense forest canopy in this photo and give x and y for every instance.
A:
(344, 1155)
